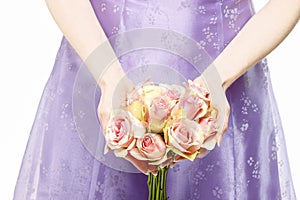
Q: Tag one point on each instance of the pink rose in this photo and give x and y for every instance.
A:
(150, 147)
(210, 131)
(134, 95)
(153, 103)
(195, 101)
(184, 137)
(208, 126)
(174, 92)
(201, 91)
(158, 111)
(121, 131)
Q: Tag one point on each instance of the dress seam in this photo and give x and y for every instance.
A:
(229, 99)
(233, 149)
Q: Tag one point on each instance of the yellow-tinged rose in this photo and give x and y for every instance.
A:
(150, 92)
(158, 111)
(184, 137)
(195, 102)
(178, 112)
(137, 110)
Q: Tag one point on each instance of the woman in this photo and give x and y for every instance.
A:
(251, 162)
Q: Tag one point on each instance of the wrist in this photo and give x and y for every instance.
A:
(214, 76)
(224, 75)
(111, 76)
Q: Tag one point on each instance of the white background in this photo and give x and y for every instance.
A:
(28, 45)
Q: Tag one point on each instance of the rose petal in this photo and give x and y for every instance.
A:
(143, 166)
(155, 155)
(156, 126)
(137, 110)
(121, 152)
(202, 153)
(163, 159)
(156, 147)
(172, 141)
(137, 154)
(132, 145)
(175, 92)
(201, 91)
(190, 157)
(209, 142)
(219, 140)
(202, 112)
(106, 149)
(194, 148)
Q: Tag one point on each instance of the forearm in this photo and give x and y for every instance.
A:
(79, 24)
(274, 22)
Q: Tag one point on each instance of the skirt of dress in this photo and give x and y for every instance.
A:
(252, 161)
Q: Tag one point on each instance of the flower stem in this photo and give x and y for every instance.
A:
(157, 185)
(150, 179)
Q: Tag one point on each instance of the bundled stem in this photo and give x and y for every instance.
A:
(157, 185)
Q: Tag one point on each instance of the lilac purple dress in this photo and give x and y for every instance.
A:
(251, 163)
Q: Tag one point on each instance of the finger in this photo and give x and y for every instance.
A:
(172, 164)
(201, 81)
(103, 115)
(226, 119)
(225, 125)
(154, 172)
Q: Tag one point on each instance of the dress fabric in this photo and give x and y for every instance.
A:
(252, 162)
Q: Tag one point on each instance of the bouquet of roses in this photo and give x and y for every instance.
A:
(161, 125)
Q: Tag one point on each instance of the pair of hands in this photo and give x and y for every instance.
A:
(114, 96)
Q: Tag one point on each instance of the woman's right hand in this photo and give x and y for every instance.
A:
(113, 97)
(114, 90)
